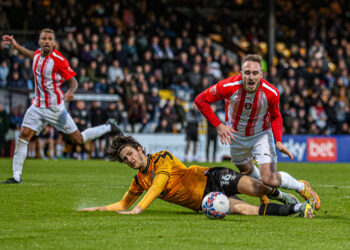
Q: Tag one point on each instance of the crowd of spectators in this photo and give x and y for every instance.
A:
(135, 49)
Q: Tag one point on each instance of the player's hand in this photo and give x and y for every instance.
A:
(135, 210)
(6, 39)
(90, 209)
(69, 96)
(225, 133)
(284, 150)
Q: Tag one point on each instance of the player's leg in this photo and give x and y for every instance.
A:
(94, 132)
(241, 207)
(32, 124)
(63, 121)
(20, 154)
(252, 187)
(265, 154)
(242, 157)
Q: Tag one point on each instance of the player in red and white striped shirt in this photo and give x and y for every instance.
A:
(50, 70)
(253, 122)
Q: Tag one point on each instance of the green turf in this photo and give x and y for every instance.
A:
(41, 213)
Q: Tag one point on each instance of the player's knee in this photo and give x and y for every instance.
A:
(270, 181)
(25, 135)
(77, 139)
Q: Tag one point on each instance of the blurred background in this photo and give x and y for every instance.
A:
(144, 62)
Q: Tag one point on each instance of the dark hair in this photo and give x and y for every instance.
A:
(252, 58)
(117, 145)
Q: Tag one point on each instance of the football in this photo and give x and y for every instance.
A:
(216, 205)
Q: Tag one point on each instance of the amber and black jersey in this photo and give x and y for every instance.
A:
(175, 183)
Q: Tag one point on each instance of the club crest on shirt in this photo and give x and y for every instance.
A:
(213, 90)
(248, 105)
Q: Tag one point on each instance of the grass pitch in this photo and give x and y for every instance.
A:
(41, 213)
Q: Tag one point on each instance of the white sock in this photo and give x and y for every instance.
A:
(31, 153)
(256, 173)
(95, 132)
(288, 182)
(19, 157)
(52, 155)
(42, 154)
(297, 207)
(59, 150)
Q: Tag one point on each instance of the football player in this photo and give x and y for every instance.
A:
(163, 176)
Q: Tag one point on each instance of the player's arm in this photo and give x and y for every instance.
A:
(125, 203)
(6, 39)
(73, 85)
(157, 187)
(203, 101)
(277, 126)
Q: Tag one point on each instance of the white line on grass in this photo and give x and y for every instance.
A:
(331, 186)
(75, 185)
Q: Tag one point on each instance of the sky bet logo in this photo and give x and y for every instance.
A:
(321, 149)
(296, 148)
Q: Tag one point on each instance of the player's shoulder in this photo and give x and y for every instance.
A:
(269, 88)
(162, 155)
(235, 80)
(57, 56)
(38, 51)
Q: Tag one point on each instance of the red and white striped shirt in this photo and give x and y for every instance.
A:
(247, 113)
(49, 73)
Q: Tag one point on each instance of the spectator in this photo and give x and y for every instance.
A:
(70, 46)
(115, 72)
(193, 118)
(212, 138)
(4, 126)
(4, 71)
(97, 116)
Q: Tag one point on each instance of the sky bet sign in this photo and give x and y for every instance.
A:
(316, 149)
(321, 149)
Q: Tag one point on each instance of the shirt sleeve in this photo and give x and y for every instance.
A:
(276, 118)
(213, 94)
(128, 199)
(65, 70)
(162, 171)
(158, 184)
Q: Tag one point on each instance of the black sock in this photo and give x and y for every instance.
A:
(276, 209)
(274, 193)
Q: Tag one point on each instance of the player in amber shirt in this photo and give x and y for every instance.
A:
(163, 176)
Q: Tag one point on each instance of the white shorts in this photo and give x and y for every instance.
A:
(36, 118)
(260, 146)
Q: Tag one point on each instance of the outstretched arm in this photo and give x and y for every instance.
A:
(6, 39)
(157, 187)
(123, 204)
(129, 198)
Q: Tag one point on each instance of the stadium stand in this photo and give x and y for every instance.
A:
(140, 59)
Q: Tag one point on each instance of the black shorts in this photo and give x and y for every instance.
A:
(192, 133)
(224, 180)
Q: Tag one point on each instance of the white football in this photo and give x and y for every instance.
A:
(216, 205)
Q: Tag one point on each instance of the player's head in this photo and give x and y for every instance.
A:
(47, 40)
(126, 149)
(251, 72)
